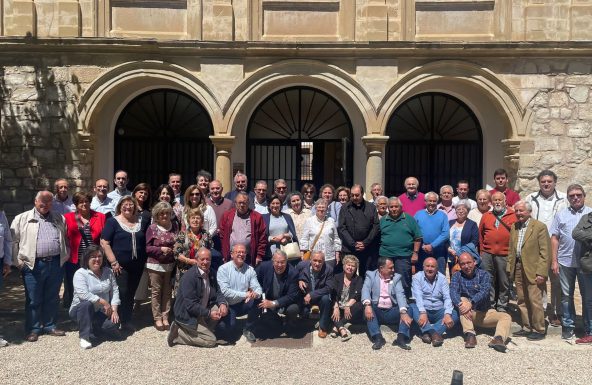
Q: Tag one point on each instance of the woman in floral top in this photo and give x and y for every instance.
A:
(160, 239)
(188, 242)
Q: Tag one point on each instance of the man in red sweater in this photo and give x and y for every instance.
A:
(500, 177)
(494, 240)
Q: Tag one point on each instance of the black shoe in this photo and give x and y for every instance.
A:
(534, 336)
(379, 342)
(172, 334)
(567, 333)
(521, 333)
(401, 342)
(249, 336)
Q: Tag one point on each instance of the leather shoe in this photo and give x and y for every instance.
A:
(401, 342)
(437, 340)
(32, 337)
(521, 333)
(535, 336)
(322, 333)
(497, 343)
(172, 334)
(555, 321)
(379, 342)
(56, 333)
(470, 341)
(426, 338)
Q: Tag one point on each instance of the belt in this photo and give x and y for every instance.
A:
(46, 259)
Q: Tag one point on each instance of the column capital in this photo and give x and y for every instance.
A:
(375, 143)
(223, 142)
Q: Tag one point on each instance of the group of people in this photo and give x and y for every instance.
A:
(282, 257)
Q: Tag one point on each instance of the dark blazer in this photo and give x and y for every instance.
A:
(358, 224)
(291, 228)
(324, 280)
(188, 307)
(469, 234)
(355, 287)
(289, 291)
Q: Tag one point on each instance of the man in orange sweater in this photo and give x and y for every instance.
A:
(494, 240)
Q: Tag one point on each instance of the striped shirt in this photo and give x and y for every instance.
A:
(521, 233)
(561, 227)
(48, 237)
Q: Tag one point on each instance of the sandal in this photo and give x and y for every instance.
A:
(334, 333)
(346, 336)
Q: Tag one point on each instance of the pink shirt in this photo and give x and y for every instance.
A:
(384, 301)
(411, 206)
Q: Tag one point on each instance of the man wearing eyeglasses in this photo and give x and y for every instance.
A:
(280, 188)
(260, 201)
(241, 225)
(240, 184)
(563, 251)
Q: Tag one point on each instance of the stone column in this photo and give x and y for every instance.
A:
(223, 166)
(375, 145)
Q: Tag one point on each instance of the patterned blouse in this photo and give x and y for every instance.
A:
(187, 245)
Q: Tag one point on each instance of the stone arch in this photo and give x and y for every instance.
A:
(502, 117)
(293, 73)
(108, 95)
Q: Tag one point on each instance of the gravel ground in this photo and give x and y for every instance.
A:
(145, 358)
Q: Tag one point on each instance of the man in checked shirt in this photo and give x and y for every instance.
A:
(469, 291)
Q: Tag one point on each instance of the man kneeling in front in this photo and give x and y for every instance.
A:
(199, 305)
(384, 302)
(469, 291)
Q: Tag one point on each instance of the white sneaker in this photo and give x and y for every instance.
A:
(3, 342)
(84, 344)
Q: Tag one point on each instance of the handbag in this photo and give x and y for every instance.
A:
(306, 255)
(292, 250)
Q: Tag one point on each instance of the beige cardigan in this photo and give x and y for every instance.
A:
(24, 230)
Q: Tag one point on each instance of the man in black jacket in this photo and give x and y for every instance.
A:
(315, 280)
(359, 229)
(199, 305)
(281, 296)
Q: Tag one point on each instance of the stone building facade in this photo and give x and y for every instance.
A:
(69, 68)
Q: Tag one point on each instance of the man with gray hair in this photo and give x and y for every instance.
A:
(280, 300)
(435, 229)
(528, 264)
(546, 203)
(375, 191)
(381, 203)
(315, 279)
(240, 184)
(39, 235)
(280, 188)
(446, 205)
(564, 250)
(62, 202)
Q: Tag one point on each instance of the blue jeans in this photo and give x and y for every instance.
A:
(325, 309)
(435, 318)
(91, 321)
(567, 279)
(586, 291)
(227, 324)
(42, 295)
(387, 317)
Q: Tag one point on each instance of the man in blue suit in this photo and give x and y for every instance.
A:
(384, 302)
(281, 295)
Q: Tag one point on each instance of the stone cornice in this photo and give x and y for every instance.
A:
(417, 50)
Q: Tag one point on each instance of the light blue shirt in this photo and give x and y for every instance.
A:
(63, 207)
(89, 287)
(234, 283)
(431, 295)
(5, 240)
(116, 197)
(562, 226)
(105, 207)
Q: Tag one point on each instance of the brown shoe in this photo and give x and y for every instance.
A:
(158, 325)
(322, 333)
(172, 334)
(56, 333)
(32, 337)
(470, 341)
(437, 340)
(497, 343)
(555, 321)
(426, 338)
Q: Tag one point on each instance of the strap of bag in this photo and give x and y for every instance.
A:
(314, 242)
(503, 223)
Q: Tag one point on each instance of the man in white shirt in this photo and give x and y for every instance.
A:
(175, 183)
(120, 181)
(101, 202)
(62, 202)
(545, 204)
(462, 194)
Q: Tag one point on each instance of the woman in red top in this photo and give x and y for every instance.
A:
(83, 228)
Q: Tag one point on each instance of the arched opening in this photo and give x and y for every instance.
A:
(436, 138)
(302, 135)
(163, 131)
